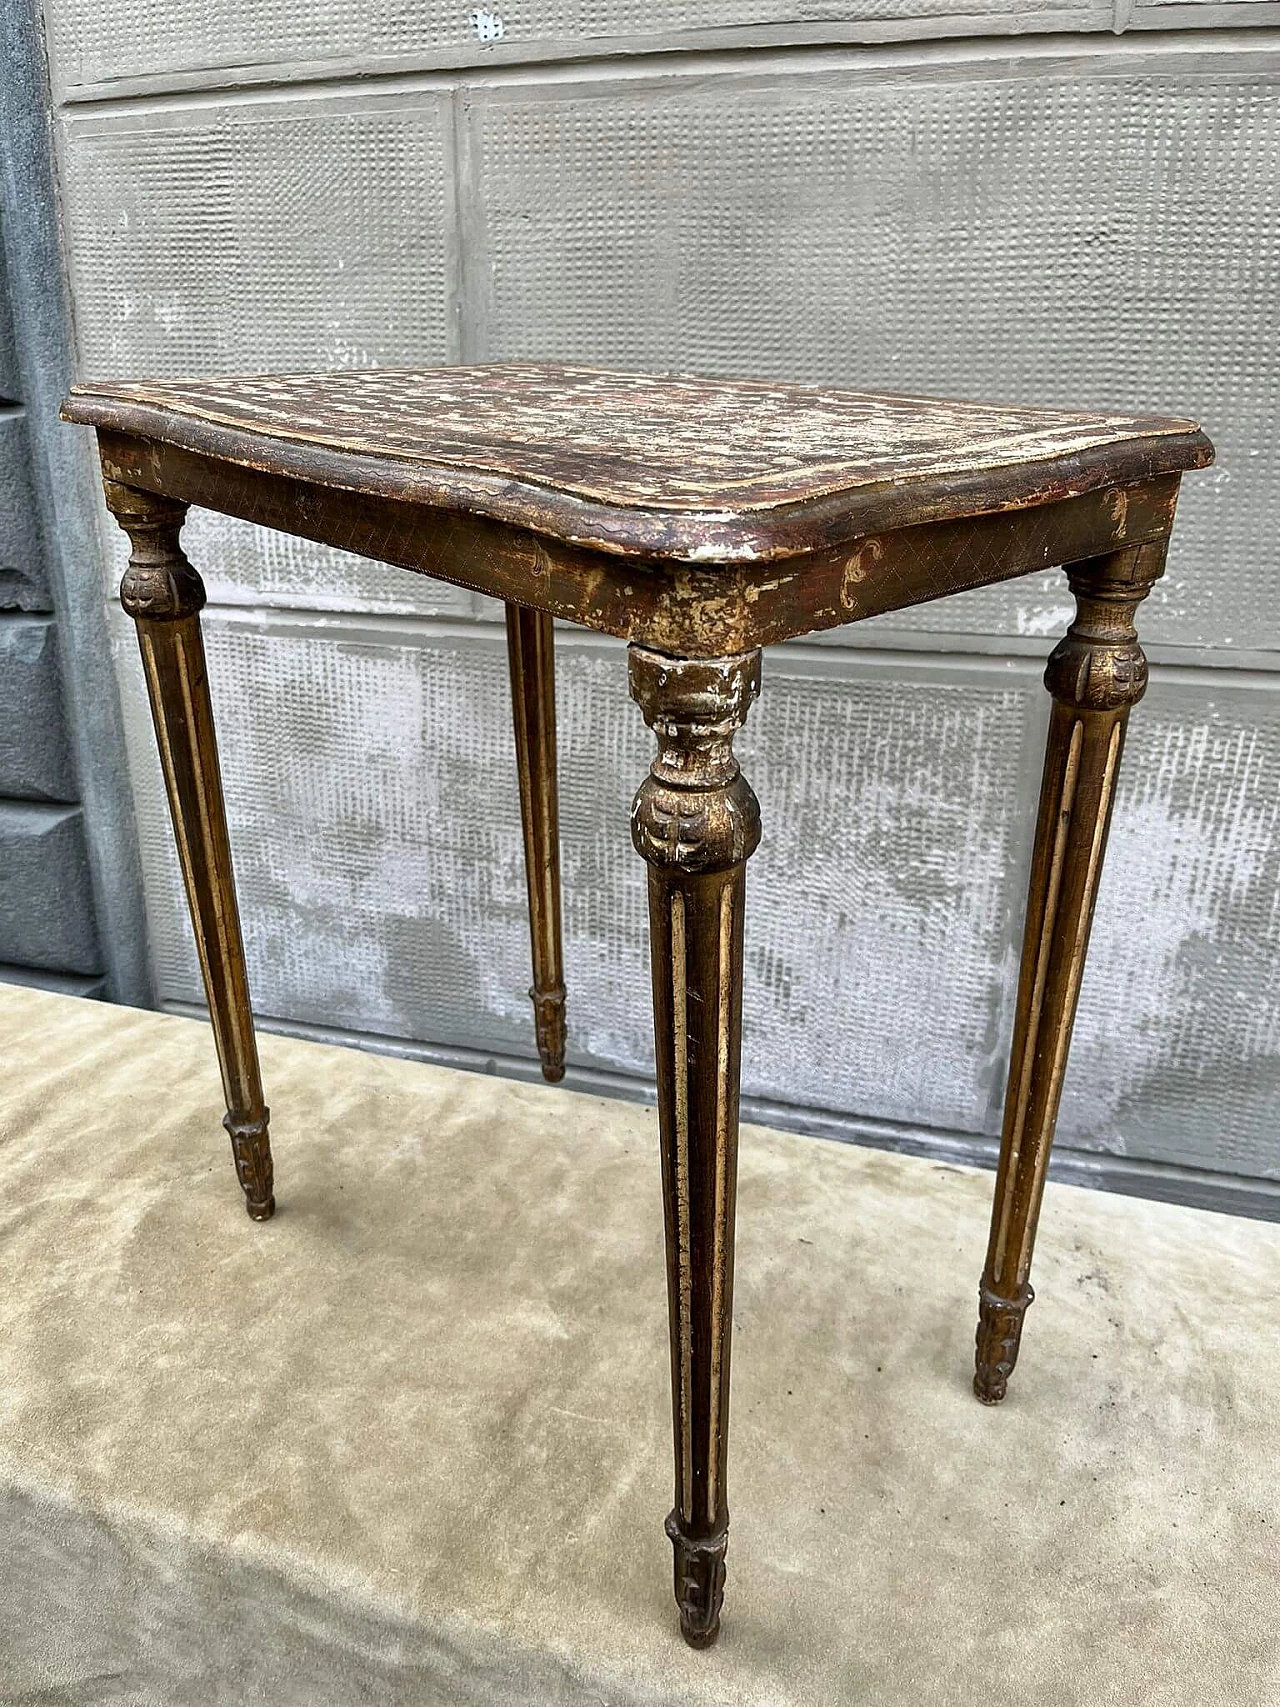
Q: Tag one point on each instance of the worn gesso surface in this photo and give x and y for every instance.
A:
(1088, 222)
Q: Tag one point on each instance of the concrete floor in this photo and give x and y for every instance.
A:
(409, 1441)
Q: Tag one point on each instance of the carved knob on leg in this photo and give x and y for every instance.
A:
(695, 811)
(159, 584)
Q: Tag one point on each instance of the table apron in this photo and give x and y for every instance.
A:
(682, 608)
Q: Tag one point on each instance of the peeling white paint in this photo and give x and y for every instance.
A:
(1044, 620)
(712, 552)
(487, 27)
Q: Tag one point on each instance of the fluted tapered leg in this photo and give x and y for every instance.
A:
(164, 596)
(1096, 673)
(531, 655)
(696, 823)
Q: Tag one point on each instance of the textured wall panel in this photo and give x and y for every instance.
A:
(375, 828)
(882, 900)
(1177, 1052)
(377, 841)
(35, 761)
(1098, 231)
(376, 832)
(300, 234)
(124, 41)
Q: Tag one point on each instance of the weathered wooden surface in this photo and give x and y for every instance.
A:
(705, 469)
(1096, 674)
(532, 667)
(164, 595)
(697, 609)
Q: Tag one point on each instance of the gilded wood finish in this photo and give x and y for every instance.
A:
(687, 607)
(696, 822)
(713, 470)
(699, 520)
(1096, 673)
(164, 595)
(531, 656)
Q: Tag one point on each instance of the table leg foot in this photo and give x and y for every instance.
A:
(549, 1027)
(999, 1331)
(699, 1581)
(251, 1150)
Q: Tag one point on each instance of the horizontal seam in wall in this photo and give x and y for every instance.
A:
(1169, 662)
(1052, 50)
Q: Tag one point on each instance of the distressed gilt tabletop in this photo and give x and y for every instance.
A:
(701, 520)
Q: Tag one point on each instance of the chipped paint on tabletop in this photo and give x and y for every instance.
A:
(706, 470)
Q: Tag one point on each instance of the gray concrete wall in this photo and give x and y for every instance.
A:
(1062, 204)
(70, 898)
(46, 909)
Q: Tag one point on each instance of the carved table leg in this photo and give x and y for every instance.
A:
(531, 655)
(696, 822)
(1095, 674)
(164, 595)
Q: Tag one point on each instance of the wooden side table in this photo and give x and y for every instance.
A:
(700, 520)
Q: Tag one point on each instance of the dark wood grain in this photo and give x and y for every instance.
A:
(531, 658)
(1096, 674)
(708, 470)
(164, 595)
(696, 822)
(687, 609)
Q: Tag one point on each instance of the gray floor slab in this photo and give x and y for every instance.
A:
(409, 1442)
